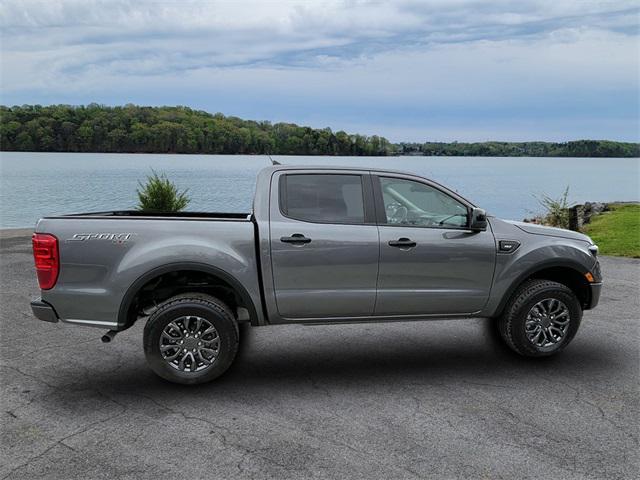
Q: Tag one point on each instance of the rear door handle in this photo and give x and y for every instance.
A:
(295, 238)
(402, 243)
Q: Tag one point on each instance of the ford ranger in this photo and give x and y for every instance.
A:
(322, 245)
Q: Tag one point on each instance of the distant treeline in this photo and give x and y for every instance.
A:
(578, 148)
(135, 129)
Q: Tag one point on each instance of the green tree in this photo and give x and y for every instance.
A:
(132, 128)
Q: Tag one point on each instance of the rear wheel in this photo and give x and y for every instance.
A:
(541, 318)
(191, 338)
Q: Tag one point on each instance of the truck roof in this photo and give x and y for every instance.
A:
(275, 168)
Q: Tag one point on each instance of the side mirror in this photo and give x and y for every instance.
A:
(478, 220)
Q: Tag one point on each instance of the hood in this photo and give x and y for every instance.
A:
(550, 231)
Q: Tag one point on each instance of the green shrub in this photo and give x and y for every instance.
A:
(159, 194)
(556, 209)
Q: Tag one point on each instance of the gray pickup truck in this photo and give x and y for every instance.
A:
(322, 245)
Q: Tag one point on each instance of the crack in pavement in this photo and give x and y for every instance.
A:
(61, 441)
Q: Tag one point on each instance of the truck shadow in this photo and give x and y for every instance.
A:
(431, 362)
(283, 367)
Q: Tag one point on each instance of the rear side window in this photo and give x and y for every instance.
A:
(323, 198)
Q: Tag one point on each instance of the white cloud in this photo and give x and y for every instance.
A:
(193, 34)
(424, 58)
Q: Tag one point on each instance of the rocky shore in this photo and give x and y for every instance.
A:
(580, 215)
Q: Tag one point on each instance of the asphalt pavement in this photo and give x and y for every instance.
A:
(441, 399)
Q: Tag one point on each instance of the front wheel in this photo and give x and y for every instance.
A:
(541, 318)
(191, 338)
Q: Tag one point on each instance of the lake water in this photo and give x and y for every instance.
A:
(37, 184)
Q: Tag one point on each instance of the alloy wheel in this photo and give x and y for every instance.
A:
(190, 344)
(547, 323)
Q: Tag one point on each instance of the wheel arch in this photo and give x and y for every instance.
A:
(566, 272)
(126, 318)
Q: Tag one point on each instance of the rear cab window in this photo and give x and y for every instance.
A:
(323, 198)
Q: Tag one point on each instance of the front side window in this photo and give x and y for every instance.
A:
(416, 204)
(330, 198)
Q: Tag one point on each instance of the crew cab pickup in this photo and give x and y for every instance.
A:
(322, 245)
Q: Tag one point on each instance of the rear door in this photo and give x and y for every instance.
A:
(430, 262)
(324, 244)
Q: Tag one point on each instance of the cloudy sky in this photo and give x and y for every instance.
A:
(409, 70)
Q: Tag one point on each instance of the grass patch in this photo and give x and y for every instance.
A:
(617, 232)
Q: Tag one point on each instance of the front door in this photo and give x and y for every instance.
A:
(324, 245)
(430, 262)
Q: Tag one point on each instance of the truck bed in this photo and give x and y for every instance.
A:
(103, 254)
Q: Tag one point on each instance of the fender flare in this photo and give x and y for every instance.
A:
(135, 287)
(554, 263)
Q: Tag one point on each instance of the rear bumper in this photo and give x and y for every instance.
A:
(43, 311)
(596, 288)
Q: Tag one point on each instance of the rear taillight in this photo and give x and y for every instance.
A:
(47, 258)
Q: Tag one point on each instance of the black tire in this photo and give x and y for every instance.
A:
(512, 322)
(199, 305)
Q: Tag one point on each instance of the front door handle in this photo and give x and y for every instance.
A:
(402, 243)
(295, 238)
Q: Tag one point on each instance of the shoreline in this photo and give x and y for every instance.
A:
(15, 232)
(391, 155)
